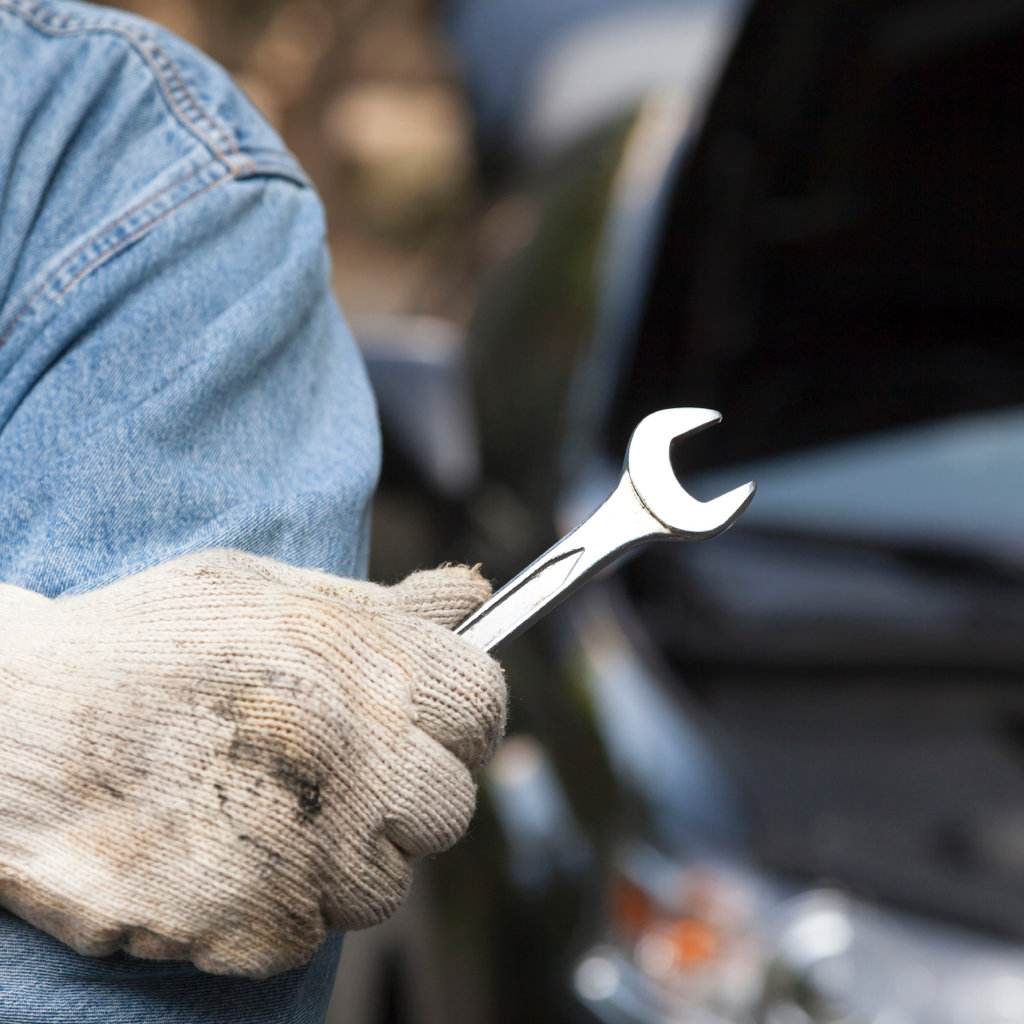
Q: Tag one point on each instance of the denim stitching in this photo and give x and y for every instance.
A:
(115, 235)
(103, 254)
(191, 115)
(132, 223)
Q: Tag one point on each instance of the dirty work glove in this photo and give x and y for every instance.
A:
(220, 757)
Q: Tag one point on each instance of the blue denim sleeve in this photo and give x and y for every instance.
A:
(174, 375)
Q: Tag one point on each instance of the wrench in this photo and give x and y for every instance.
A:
(648, 504)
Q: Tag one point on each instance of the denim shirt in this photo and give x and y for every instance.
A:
(174, 375)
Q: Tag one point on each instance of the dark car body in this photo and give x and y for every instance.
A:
(791, 758)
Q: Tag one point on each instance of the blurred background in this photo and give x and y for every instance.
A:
(366, 94)
(777, 778)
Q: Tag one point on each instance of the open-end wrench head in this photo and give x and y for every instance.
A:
(649, 467)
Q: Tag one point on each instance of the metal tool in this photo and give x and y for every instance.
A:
(649, 504)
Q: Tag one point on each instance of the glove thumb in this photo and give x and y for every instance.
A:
(446, 595)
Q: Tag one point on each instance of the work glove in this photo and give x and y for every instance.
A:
(221, 757)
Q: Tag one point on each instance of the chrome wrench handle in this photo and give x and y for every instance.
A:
(620, 523)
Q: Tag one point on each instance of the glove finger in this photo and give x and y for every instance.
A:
(367, 881)
(458, 694)
(432, 800)
(68, 920)
(446, 595)
(353, 592)
(257, 954)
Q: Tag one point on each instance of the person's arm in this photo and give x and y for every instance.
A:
(199, 389)
(219, 758)
(176, 378)
(174, 371)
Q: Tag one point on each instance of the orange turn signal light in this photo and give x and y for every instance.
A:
(687, 941)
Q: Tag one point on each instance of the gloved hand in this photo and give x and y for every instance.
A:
(219, 757)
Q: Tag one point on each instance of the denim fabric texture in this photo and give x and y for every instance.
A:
(174, 375)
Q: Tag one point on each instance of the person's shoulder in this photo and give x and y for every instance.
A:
(110, 125)
(88, 59)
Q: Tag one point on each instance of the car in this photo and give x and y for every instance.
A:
(778, 777)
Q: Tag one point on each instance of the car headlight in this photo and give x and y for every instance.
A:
(716, 943)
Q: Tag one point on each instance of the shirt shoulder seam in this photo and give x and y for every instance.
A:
(205, 127)
(99, 245)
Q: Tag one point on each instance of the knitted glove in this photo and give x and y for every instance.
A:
(220, 757)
